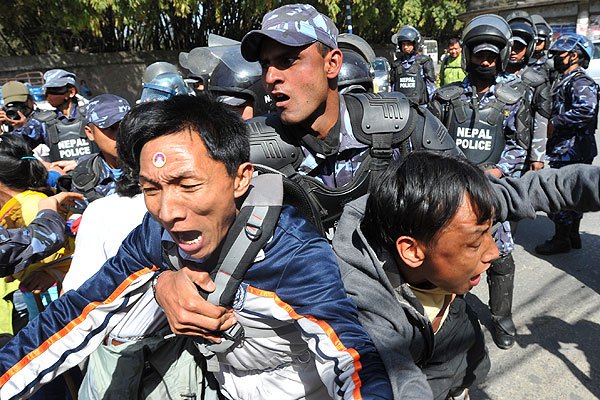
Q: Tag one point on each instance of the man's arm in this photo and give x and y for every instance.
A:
(575, 187)
(42, 237)
(584, 103)
(77, 323)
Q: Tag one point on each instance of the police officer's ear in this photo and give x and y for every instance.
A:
(333, 63)
(410, 251)
(71, 91)
(89, 132)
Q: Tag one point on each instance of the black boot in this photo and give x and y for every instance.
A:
(574, 236)
(560, 242)
(501, 277)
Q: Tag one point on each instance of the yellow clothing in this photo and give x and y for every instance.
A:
(18, 212)
(436, 303)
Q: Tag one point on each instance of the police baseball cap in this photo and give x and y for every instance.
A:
(56, 78)
(106, 110)
(14, 91)
(292, 25)
(486, 47)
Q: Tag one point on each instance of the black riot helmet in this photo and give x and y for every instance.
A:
(408, 33)
(357, 44)
(543, 30)
(524, 32)
(356, 74)
(489, 29)
(235, 77)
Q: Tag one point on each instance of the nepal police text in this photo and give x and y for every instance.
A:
(74, 148)
(407, 82)
(473, 138)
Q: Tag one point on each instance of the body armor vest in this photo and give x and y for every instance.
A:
(410, 82)
(66, 138)
(383, 121)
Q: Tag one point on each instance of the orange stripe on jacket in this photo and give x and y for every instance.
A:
(71, 325)
(323, 325)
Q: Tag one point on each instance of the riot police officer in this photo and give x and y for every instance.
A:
(64, 126)
(237, 83)
(491, 123)
(534, 84)
(413, 74)
(329, 143)
(539, 59)
(572, 126)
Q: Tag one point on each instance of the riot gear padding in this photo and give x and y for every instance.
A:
(408, 33)
(157, 68)
(542, 94)
(543, 30)
(236, 77)
(382, 121)
(66, 138)
(525, 31)
(357, 44)
(488, 28)
(355, 71)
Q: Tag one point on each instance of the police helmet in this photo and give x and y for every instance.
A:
(163, 87)
(489, 29)
(157, 68)
(524, 32)
(571, 41)
(408, 33)
(358, 44)
(543, 30)
(356, 73)
(234, 76)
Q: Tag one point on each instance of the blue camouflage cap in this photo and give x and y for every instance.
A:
(106, 110)
(291, 25)
(56, 78)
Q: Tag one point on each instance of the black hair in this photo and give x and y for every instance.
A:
(323, 49)
(128, 184)
(453, 41)
(19, 170)
(420, 195)
(222, 131)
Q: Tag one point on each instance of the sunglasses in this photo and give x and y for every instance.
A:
(57, 91)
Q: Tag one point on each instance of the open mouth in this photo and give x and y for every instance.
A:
(188, 241)
(279, 99)
(475, 280)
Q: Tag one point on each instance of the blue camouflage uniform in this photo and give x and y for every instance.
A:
(21, 246)
(574, 118)
(33, 131)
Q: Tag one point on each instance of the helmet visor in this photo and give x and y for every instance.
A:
(564, 43)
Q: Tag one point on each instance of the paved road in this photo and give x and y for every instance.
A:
(557, 313)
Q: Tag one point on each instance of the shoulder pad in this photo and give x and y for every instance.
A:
(386, 112)
(45, 116)
(507, 94)
(422, 58)
(450, 92)
(584, 76)
(86, 174)
(273, 144)
(532, 77)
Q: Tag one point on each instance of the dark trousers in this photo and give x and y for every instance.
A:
(460, 358)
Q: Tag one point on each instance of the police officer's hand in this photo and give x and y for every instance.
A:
(189, 313)
(38, 282)
(63, 166)
(60, 201)
(16, 123)
(536, 166)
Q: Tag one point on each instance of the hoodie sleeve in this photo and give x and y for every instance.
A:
(575, 187)
(76, 324)
(391, 338)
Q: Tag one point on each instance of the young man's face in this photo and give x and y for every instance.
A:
(517, 52)
(539, 45)
(454, 50)
(105, 138)
(296, 78)
(484, 58)
(191, 195)
(462, 251)
(59, 96)
(407, 47)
